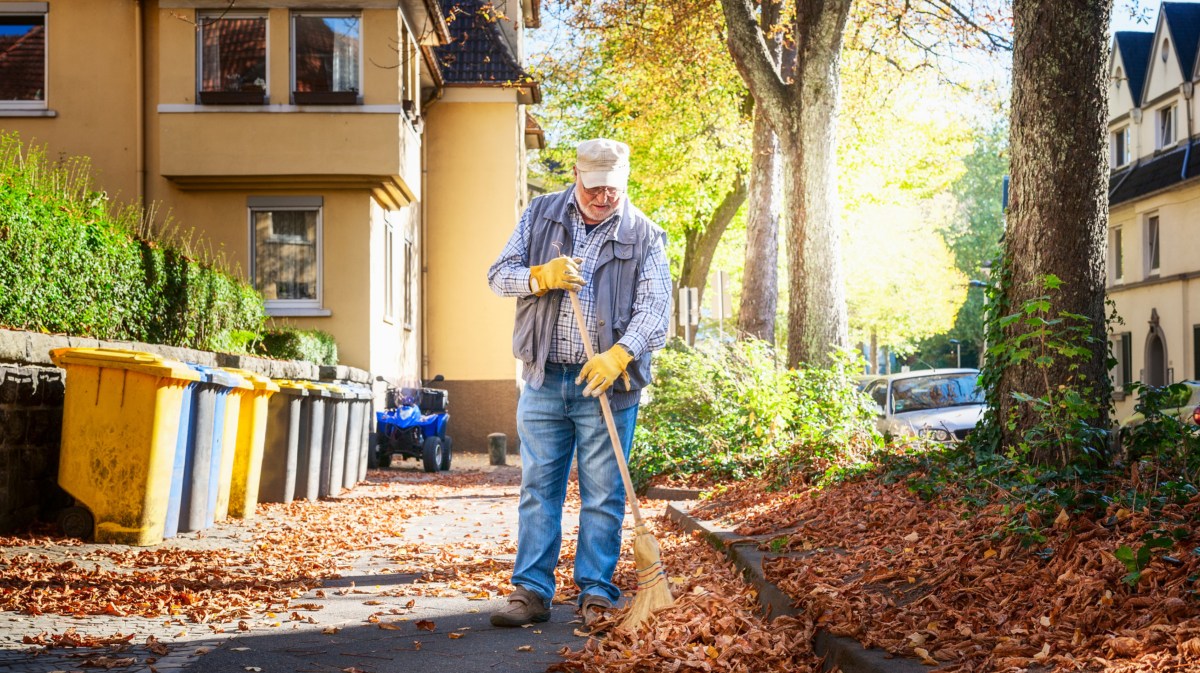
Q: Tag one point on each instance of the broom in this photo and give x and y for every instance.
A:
(653, 594)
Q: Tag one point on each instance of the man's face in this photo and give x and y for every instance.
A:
(598, 203)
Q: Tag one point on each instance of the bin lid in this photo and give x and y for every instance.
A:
(121, 358)
(219, 377)
(355, 391)
(289, 387)
(336, 391)
(255, 380)
(315, 389)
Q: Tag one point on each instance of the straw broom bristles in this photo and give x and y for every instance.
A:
(653, 594)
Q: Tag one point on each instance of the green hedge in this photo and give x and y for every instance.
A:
(287, 343)
(72, 263)
(721, 412)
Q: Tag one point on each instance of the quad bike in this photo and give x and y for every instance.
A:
(414, 428)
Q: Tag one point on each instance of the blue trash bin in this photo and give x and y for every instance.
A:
(186, 428)
(200, 476)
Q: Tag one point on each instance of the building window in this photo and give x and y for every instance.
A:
(1120, 147)
(23, 56)
(1166, 127)
(1122, 373)
(232, 59)
(410, 261)
(1118, 255)
(410, 82)
(326, 58)
(286, 250)
(1153, 254)
(389, 269)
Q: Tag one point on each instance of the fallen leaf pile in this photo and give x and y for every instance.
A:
(297, 545)
(940, 581)
(713, 625)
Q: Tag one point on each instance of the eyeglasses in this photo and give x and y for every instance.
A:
(594, 192)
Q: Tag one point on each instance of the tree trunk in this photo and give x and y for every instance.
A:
(817, 320)
(803, 113)
(701, 244)
(874, 354)
(1058, 207)
(760, 275)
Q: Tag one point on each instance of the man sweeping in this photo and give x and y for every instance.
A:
(590, 240)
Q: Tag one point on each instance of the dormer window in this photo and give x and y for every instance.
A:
(1121, 154)
(1166, 127)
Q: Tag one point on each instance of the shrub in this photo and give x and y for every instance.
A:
(72, 263)
(730, 411)
(289, 343)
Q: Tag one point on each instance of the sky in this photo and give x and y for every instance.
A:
(1134, 15)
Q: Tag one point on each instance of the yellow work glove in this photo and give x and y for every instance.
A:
(560, 273)
(602, 370)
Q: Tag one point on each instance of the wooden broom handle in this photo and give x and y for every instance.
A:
(608, 417)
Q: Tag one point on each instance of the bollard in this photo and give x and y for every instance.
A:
(497, 447)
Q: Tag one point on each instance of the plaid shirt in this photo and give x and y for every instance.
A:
(647, 329)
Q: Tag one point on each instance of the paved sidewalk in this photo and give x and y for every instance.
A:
(371, 619)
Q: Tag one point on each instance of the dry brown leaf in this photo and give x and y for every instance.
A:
(525, 648)
(425, 625)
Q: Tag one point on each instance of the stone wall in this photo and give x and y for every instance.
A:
(31, 405)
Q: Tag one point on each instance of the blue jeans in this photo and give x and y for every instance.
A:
(554, 422)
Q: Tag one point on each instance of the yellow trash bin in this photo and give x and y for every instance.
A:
(242, 498)
(120, 424)
(230, 434)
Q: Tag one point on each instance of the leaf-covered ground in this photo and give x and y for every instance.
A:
(951, 582)
(948, 581)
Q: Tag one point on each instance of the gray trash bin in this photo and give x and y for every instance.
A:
(355, 456)
(281, 450)
(333, 446)
(312, 442)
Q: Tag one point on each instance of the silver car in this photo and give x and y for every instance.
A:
(943, 405)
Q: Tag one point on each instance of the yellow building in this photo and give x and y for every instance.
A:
(359, 180)
(472, 206)
(1154, 201)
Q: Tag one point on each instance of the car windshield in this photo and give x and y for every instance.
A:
(933, 392)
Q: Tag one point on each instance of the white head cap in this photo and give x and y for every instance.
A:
(603, 163)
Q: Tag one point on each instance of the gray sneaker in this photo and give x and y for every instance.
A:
(524, 607)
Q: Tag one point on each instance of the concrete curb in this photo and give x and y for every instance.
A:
(669, 493)
(837, 652)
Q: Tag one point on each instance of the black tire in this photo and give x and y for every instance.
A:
(76, 522)
(447, 452)
(431, 451)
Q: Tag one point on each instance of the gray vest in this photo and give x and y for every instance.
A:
(614, 283)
